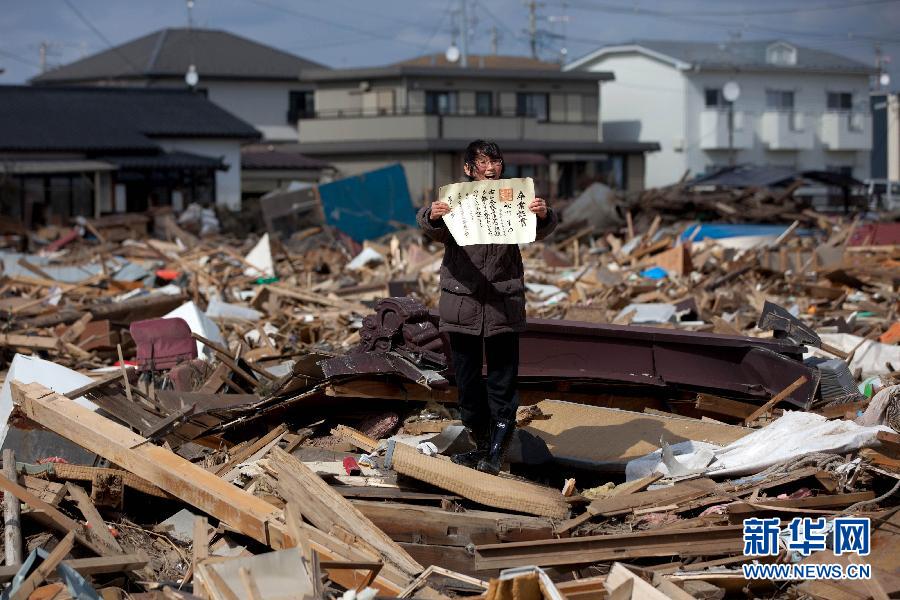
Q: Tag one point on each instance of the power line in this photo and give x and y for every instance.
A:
(427, 45)
(708, 13)
(100, 35)
(336, 24)
(19, 58)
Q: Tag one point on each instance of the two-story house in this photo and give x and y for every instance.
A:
(422, 114)
(795, 106)
(255, 82)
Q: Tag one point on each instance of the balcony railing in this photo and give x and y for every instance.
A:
(367, 125)
(846, 130)
(353, 113)
(786, 130)
(714, 130)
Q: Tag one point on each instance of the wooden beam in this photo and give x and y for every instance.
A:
(489, 490)
(192, 484)
(12, 508)
(96, 565)
(32, 342)
(200, 548)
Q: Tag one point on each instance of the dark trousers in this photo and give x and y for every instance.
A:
(495, 398)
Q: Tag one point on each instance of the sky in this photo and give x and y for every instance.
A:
(354, 33)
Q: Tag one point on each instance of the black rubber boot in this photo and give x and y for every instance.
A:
(470, 458)
(501, 435)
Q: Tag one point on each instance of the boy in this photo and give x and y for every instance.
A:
(482, 309)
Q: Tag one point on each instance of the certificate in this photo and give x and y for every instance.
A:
(493, 211)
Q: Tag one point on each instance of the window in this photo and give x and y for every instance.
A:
(441, 103)
(779, 100)
(484, 103)
(781, 53)
(301, 105)
(530, 104)
(715, 99)
(840, 100)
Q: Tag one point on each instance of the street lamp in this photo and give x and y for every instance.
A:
(731, 91)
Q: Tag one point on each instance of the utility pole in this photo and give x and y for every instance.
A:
(464, 27)
(532, 27)
(879, 65)
(190, 13)
(494, 38)
(43, 56)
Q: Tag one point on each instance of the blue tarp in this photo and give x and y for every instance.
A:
(369, 205)
(718, 231)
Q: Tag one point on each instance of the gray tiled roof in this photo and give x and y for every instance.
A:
(103, 119)
(749, 55)
(169, 52)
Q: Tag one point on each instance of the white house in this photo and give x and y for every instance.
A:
(798, 107)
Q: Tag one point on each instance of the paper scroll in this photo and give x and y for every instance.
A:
(494, 211)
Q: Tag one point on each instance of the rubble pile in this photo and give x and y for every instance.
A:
(191, 415)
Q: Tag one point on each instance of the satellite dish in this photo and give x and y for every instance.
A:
(884, 80)
(191, 77)
(452, 54)
(731, 91)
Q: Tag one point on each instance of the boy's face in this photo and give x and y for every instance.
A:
(484, 168)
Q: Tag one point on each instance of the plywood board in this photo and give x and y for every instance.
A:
(609, 437)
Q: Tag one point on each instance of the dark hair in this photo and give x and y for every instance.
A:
(489, 149)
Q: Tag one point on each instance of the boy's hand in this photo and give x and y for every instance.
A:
(438, 210)
(539, 207)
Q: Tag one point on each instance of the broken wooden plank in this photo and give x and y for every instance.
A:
(48, 491)
(49, 516)
(483, 488)
(252, 449)
(621, 546)
(32, 342)
(96, 565)
(325, 509)
(86, 473)
(94, 386)
(624, 503)
(192, 484)
(724, 406)
(431, 525)
(357, 438)
(12, 526)
(826, 501)
(768, 406)
(200, 547)
(92, 516)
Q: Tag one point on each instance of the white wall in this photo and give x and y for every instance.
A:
(810, 97)
(262, 104)
(653, 101)
(228, 183)
(645, 103)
